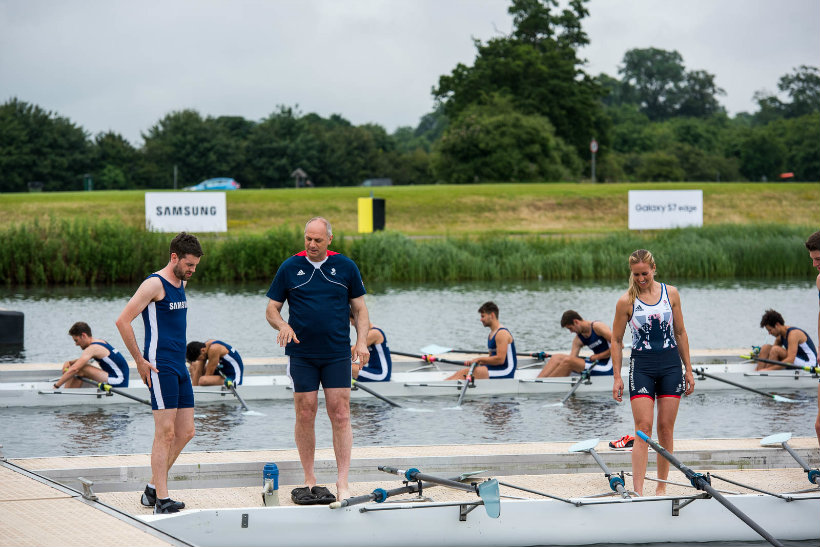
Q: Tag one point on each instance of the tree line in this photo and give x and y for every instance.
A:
(525, 110)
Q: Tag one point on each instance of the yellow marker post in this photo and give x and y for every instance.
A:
(365, 215)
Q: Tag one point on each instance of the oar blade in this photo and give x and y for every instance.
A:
(781, 399)
(584, 446)
(776, 439)
(489, 493)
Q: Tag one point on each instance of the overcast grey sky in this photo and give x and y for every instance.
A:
(122, 65)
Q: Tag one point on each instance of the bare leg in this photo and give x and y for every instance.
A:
(306, 404)
(667, 413)
(643, 410)
(479, 373)
(88, 371)
(337, 401)
(562, 365)
(164, 421)
(184, 431)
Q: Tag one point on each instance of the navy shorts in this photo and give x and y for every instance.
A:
(656, 375)
(306, 373)
(171, 388)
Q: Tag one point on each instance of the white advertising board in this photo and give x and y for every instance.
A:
(663, 209)
(186, 211)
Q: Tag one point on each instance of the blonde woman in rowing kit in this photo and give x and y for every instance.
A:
(659, 344)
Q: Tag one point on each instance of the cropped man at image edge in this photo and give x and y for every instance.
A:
(813, 245)
(323, 289)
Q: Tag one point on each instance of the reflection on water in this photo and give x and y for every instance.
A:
(414, 316)
(90, 429)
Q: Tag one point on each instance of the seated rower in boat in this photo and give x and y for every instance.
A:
(593, 334)
(502, 360)
(380, 365)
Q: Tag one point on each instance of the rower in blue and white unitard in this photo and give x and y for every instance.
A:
(593, 334)
(380, 365)
(113, 368)
(791, 344)
(501, 360)
(210, 360)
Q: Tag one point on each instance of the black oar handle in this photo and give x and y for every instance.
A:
(429, 358)
(107, 387)
(701, 483)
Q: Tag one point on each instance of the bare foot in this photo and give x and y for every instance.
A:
(660, 490)
(342, 491)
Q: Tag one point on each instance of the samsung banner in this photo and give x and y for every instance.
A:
(661, 209)
(186, 211)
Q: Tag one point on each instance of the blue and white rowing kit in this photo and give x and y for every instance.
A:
(165, 339)
(114, 364)
(230, 364)
(507, 368)
(380, 365)
(597, 344)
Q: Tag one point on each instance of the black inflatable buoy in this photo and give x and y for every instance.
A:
(11, 328)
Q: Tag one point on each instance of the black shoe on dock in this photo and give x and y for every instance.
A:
(149, 499)
(166, 506)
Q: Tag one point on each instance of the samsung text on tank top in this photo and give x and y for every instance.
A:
(652, 325)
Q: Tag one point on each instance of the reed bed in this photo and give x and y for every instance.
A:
(83, 252)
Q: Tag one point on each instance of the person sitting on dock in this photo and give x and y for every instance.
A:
(113, 368)
(791, 344)
(593, 334)
(502, 360)
(214, 363)
(380, 365)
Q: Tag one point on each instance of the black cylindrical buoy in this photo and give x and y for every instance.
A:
(11, 327)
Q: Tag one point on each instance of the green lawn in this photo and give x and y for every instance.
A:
(446, 209)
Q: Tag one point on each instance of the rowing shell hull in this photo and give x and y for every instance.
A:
(522, 523)
(422, 384)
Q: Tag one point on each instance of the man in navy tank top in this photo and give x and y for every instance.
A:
(501, 360)
(593, 334)
(160, 299)
(113, 368)
(322, 289)
(791, 344)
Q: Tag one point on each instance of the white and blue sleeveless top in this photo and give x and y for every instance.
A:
(165, 324)
(114, 364)
(652, 326)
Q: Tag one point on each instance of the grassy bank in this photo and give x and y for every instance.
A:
(443, 209)
(86, 252)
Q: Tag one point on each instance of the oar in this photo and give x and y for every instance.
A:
(616, 483)
(782, 439)
(700, 482)
(468, 379)
(380, 495)
(487, 490)
(233, 390)
(777, 398)
(581, 379)
(540, 355)
(360, 385)
(107, 387)
(807, 368)
(429, 358)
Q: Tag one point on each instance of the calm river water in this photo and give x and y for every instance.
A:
(722, 314)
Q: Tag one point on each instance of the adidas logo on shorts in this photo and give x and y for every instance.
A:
(643, 390)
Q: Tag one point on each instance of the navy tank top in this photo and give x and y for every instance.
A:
(165, 327)
(114, 364)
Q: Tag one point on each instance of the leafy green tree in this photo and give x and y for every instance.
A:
(115, 162)
(538, 68)
(762, 156)
(664, 89)
(803, 88)
(660, 167)
(494, 142)
(38, 145)
(800, 138)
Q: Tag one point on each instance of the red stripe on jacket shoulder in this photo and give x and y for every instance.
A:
(304, 253)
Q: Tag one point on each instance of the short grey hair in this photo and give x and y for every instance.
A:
(327, 225)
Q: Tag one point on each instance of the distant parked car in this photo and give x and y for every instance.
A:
(219, 183)
(378, 182)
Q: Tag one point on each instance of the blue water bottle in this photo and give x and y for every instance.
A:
(270, 484)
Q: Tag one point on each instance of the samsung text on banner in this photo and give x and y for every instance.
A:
(663, 209)
(186, 211)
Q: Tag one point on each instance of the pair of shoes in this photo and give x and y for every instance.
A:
(164, 507)
(318, 495)
(149, 499)
(624, 442)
